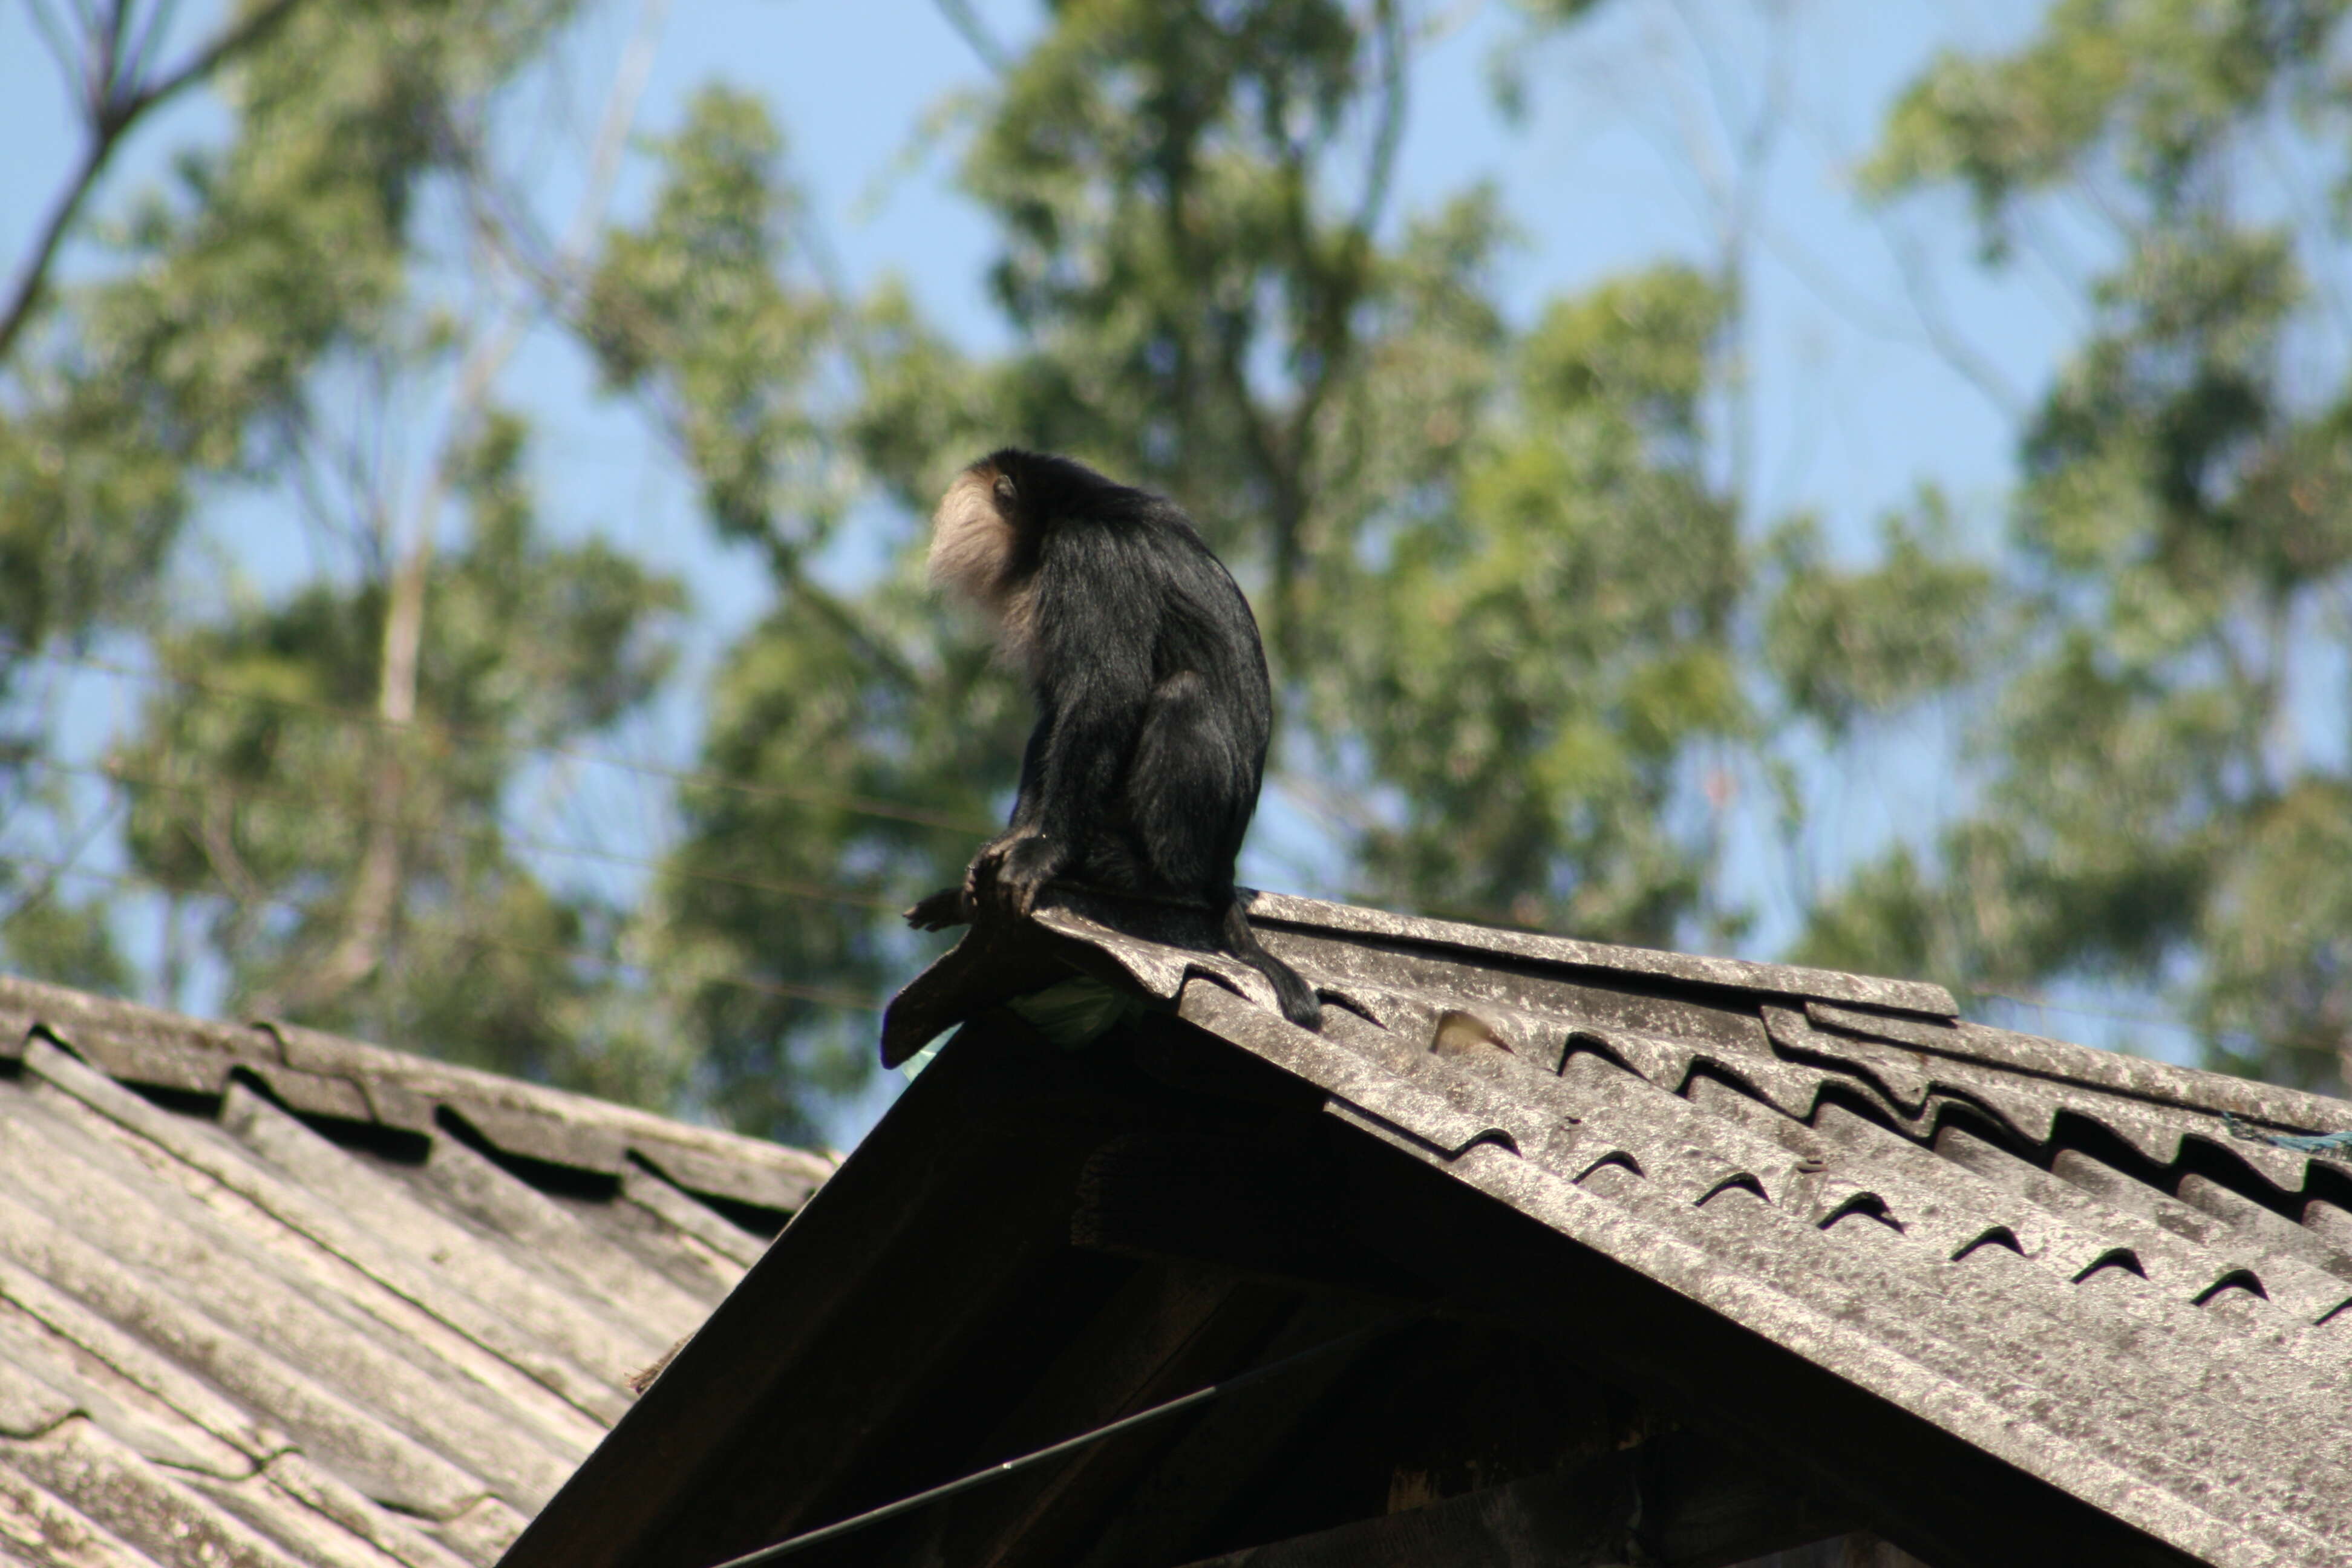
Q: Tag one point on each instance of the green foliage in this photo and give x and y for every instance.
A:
(88, 505)
(2153, 810)
(1536, 662)
(65, 944)
(880, 748)
(2277, 932)
(1884, 920)
(192, 359)
(257, 778)
(1501, 592)
(2151, 88)
(694, 310)
(1843, 645)
(335, 829)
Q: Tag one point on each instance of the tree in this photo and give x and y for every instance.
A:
(93, 452)
(256, 780)
(320, 782)
(1442, 521)
(186, 359)
(2164, 784)
(858, 738)
(1545, 653)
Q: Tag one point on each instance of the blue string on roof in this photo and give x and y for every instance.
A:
(2301, 1143)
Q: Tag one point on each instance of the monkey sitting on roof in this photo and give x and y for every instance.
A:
(1153, 706)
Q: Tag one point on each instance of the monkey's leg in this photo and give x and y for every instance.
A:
(1013, 869)
(948, 907)
(1190, 790)
(1190, 793)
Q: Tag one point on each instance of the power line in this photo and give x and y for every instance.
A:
(460, 932)
(857, 804)
(1014, 1466)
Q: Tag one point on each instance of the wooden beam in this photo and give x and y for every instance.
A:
(1233, 1447)
(1676, 1502)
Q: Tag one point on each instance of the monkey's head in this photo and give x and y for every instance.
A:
(975, 536)
(987, 534)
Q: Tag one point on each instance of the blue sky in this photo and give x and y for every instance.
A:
(1624, 159)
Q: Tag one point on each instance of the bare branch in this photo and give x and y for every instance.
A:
(1387, 34)
(150, 38)
(113, 65)
(88, 79)
(111, 114)
(967, 21)
(612, 140)
(1954, 351)
(34, 896)
(256, 27)
(52, 29)
(26, 294)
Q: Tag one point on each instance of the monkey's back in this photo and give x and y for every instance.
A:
(1162, 616)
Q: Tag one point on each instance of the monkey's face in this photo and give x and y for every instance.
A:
(976, 551)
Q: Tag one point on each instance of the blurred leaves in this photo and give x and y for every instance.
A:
(696, 308)
(190, 357)
(1526, 643)
(1536, 661)
(2154, 88)
(263, 316)
(1842, 645)
(2156, 804)
(267, 795)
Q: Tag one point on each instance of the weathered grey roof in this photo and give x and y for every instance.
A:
(272, 1298)
(2063, 1256)
(2002, 1299)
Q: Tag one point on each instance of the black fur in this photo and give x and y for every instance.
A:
(1153, 706)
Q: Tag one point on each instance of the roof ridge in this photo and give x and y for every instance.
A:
(1917, 996)
(319, 1073)
(2170, 1085)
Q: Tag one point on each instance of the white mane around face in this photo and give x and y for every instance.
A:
(971, 558)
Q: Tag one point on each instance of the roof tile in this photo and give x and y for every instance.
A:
(287, 1315)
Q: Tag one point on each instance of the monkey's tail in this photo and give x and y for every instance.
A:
(1297, 998)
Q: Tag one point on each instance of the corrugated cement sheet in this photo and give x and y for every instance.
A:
(270, 1298)
(2070, 1259)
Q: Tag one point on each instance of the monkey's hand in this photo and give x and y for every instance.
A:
(948, 907)
(1011, 872)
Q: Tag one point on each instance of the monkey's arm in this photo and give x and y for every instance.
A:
(1094, 686)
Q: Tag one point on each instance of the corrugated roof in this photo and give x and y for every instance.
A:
(272, 1298)
(2000, 1297)
(2064, 1256)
